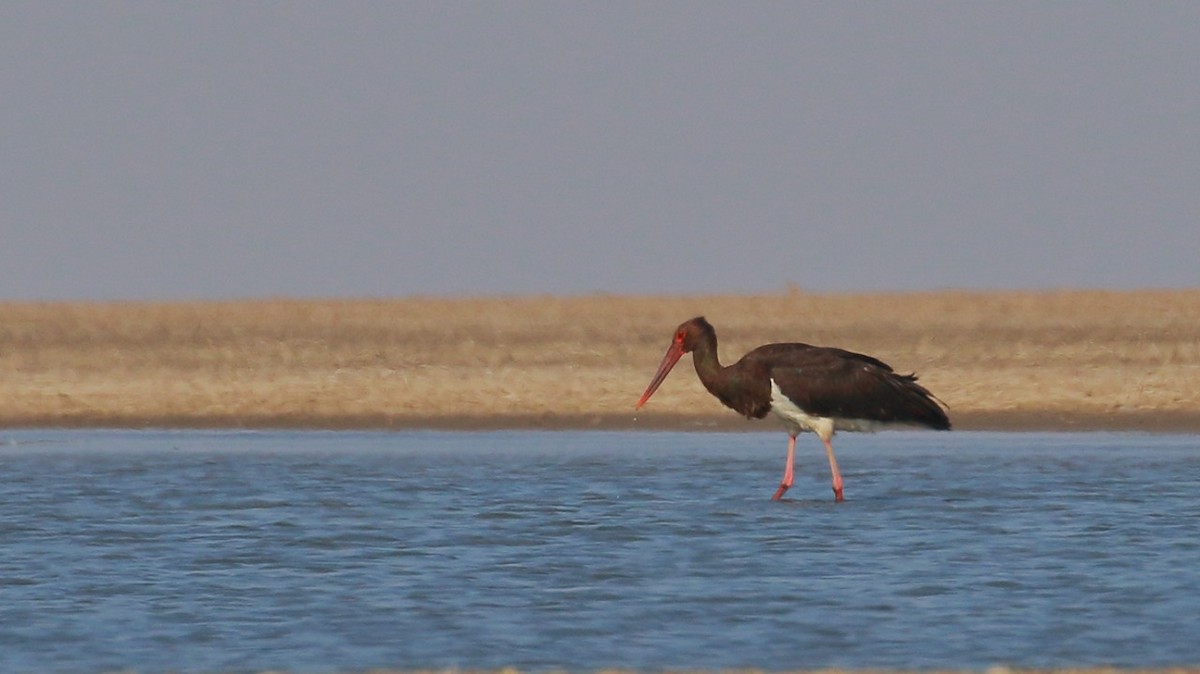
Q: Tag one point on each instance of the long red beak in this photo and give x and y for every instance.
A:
(674, 353)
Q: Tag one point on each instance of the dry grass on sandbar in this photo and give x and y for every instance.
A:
(1085, 359)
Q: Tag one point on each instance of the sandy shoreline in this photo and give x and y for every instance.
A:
(1081, 360)
(1144, 422)
(995, 669)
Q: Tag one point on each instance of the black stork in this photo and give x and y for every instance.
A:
(811, 388)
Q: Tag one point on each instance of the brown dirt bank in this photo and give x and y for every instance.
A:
(1003, 360)
(990, 670)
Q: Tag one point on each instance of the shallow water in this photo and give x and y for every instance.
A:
(315, 552)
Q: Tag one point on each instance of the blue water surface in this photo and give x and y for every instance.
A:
(164, 551)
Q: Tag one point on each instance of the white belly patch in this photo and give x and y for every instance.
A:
(798, 420)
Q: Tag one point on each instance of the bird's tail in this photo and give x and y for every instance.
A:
(924, 408)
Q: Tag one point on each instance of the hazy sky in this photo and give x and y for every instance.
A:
(171, 150)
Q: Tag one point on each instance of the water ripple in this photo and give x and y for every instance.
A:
(314, 552)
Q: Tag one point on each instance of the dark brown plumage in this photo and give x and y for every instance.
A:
(820, 389)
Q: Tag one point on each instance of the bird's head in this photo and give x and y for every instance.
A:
(687, 337)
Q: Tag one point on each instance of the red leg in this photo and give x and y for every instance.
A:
(837, 475)
(786, 483)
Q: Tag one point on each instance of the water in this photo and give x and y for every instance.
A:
(318, 552)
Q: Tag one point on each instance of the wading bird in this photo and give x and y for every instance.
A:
(811, 388)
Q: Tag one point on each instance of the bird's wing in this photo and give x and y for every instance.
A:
(842, 384)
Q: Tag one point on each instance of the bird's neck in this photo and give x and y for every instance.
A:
(734, 386)
(709, 369)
